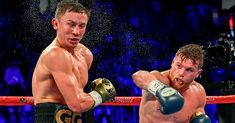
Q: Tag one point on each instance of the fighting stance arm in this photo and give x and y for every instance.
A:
(59, 64)
(102, 90)
(199, 116)
(170, 99)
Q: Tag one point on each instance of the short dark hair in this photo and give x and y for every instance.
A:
(70, 5)
(193, 52)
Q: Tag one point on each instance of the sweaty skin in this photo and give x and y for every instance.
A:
(181, 77)
(62, 68)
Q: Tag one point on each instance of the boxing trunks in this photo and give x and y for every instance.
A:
(55, 113)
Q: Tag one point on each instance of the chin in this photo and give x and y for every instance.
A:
(177, 87)
(74, 45)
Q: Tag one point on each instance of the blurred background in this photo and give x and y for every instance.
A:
(124, 36)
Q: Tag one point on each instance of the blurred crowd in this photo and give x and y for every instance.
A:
(123, 36)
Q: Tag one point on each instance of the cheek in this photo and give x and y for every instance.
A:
(67, 30)
(191, 77)
(82, 31)
(175, 71)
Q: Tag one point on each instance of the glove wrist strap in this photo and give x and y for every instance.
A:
(154, 86)
(96, 97)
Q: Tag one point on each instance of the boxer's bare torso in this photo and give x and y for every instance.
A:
(44, 87)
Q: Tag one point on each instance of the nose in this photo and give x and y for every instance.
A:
(181, 72)
(76, 31)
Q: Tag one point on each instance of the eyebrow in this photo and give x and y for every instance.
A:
(69, 21)
(191, 67)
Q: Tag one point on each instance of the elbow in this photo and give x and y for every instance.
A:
(135, 76)
(75, 107)
(138, 77)
(138, 74)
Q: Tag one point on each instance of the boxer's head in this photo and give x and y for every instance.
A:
(70, 22)
(186, 66)
(193, 52)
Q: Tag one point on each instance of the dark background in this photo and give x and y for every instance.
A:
(124, 36)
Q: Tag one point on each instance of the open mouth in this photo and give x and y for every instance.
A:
(179, 81)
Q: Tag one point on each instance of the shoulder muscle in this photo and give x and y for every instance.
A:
(57, 59)
(198, 89)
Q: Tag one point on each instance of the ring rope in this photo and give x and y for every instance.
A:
(119, 101)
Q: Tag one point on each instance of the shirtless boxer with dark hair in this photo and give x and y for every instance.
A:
(62, 71)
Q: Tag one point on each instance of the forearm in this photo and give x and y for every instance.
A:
(80, 103)
(142, 79)
(86, 103)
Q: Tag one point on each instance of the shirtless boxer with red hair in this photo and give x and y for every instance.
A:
(173, 96)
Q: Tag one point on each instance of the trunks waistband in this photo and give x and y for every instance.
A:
(55, 113)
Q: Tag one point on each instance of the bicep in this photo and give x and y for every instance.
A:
(66, 83)
(59, 65)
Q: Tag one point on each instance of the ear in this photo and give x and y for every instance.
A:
(199, 72)
(54, 23)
